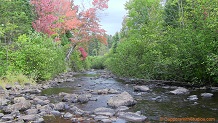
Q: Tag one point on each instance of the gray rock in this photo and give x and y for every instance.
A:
(68, 115)
(19, 99)
(158, 99)
(84, 98)
(122, 108)
(70, 98)
(7, 117)
(1, 115)
(21, 104)
(60, 81)
(141, 88)
(180, 90)
(192, 97)
(32, 111)
(39, 120)
(77, 111)
(214, 88)
(70, 80)
(2, 92)
(4, 102)
(56, 113)
(44, 109)
(60, 106)
(103, 91)
(113, 91)
(31, 91)
(41, 101)
(104, 111)
(8, 87)
(28, 118)
(123, 99)
(106, 121)
(100, 117)
(206, 94)
(130, 116)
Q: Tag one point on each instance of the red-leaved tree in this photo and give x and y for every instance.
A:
(55, 17)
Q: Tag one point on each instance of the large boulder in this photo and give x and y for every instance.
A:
(180, 90)
(123, 99)
(141, 88)
(130, 116)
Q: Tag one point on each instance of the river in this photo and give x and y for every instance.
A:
(157, 104)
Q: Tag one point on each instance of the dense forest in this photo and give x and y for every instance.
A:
(175, 41)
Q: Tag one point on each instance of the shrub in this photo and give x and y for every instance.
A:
(97, 62)
(36, 55)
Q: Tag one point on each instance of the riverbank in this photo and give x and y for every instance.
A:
(97, 96)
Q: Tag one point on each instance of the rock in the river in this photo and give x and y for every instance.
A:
(31, 91)
(180, 90)
(123, 99)
(70, 98)
(206, 94)
(46, 109)
(1, 115)
(68, 115)
(70, 80)
(56, 113)
(7, 117)
(29, 118)
(192, 97)
(141, 88)
(42, 100)
(20, 103)
(158, 99)
(103, 91)
(113, 91)
(104, 111)
(84, 98)
(122, 108)
(130, 116)
(4, 102)
(32, 111)
(60, 106)
(101, 117)
(77, 111)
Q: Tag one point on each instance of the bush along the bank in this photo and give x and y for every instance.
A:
(34, 55)
(79, 60)
(97, 62)
(174, 42)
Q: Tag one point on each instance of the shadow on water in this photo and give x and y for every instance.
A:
(166, 105)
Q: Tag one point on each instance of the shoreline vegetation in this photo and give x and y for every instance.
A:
(171, 44)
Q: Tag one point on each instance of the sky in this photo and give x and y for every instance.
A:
(111, 19)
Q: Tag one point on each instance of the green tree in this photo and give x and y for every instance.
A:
(16, 19)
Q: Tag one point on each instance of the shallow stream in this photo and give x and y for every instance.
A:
(157, 104)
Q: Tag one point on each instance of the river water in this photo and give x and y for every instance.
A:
(157, 104)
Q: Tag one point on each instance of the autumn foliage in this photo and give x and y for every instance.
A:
(55, 17)
(83, 53)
